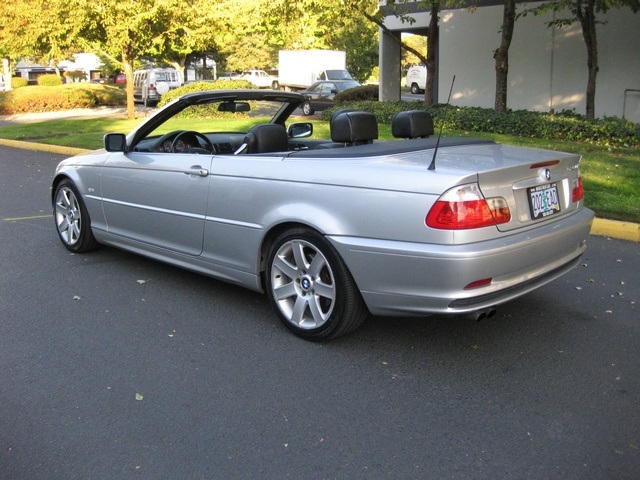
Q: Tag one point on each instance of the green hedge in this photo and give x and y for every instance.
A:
(206, 111)
(63, 97)
(49, 80)
(568, 126)
(364, 92)
(19, 82)
(204, 87)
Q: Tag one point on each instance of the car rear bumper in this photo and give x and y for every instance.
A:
(399, 278)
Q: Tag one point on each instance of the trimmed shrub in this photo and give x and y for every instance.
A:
(19, 82)
(566, 125)
(62, 97)
(204, 87)
(364, 92)
(206, 111)
(49, 80)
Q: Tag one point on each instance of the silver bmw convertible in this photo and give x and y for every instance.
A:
(332, 230)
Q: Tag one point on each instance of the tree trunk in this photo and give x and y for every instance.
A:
(6, 68)
(587, 17)
(179, 65)
(432, 48)
(502, 56)
(127, 64)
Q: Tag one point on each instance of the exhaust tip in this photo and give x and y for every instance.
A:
(483, 314)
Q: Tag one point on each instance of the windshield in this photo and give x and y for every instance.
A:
(165, 76)
(338, 75)
(342, 86)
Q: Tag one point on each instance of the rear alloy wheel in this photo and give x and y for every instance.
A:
(72, 220)
(310, 288)
(307, 109)
(415, 89)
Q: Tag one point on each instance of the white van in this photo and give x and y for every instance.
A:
(417, 79)
(152, 83)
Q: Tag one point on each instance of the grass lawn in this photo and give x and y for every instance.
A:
(611, 176)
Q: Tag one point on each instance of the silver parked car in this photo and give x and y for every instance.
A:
(331, 230)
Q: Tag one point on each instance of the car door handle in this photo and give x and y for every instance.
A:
(201, 172)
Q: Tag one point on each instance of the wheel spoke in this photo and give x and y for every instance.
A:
(297, 249)
(61, 209)
(285, 291)
(299, 309)
(325, 291)
(284, 267)
(318, 315)
(75, 231)
(316, 266)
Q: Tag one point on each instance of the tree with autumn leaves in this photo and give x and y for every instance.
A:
(242, 33)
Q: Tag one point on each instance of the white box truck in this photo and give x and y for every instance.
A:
(298, 69)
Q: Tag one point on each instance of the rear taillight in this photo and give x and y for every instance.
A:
(465, 207)
(577, 191)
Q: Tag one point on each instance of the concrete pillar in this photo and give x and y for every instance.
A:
(390, 63)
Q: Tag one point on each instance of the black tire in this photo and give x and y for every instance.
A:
(72, 219)
(307, 109)
(310, 287)
(415, 89)
(275, 85)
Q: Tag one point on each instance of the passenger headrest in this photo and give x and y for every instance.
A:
(412, 124)
(352, 127)
(269, 137)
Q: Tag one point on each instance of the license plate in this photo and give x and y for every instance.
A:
(543, 200)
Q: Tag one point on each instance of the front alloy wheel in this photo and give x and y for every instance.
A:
(310, 287)
(72, 219)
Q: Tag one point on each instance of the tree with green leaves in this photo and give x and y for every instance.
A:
(250, 34)
(43, 30)
(123, 31)
(185, 30)
(584, 12)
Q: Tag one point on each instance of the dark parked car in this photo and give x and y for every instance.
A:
(320, 95)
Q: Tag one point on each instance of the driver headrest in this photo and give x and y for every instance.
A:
(412, 124)
(353, 127)
(270, 137)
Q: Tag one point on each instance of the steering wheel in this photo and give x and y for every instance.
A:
(208, 145)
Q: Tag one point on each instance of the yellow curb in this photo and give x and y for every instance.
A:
(616, 229)
(601, 227)
(43, 147)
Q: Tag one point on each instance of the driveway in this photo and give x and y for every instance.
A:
(115, 366)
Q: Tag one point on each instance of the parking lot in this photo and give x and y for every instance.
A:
(114, 366)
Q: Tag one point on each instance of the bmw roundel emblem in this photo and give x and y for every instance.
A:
(547, 174)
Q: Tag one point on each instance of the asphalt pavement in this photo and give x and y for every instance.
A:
(113, 366)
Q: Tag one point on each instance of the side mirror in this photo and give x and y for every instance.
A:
(300, 130)
(114, 142)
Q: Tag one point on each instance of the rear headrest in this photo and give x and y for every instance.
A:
(270, 137)
(412, 124)
(354, 127)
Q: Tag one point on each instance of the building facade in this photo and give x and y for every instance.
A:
(547, 66)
